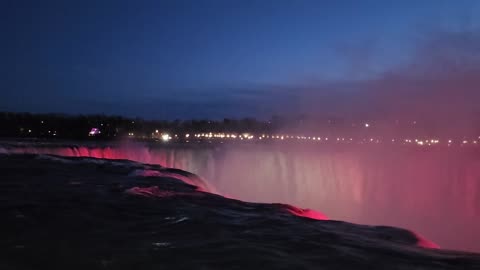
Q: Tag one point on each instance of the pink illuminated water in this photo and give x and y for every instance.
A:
(435, 192)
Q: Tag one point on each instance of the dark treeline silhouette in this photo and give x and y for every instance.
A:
(28, 125)
(77, 127)
(64, 126)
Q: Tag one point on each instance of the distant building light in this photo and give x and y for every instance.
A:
(93, 132)
(367, 124)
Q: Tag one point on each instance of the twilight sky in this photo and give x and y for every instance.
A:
(231, 58)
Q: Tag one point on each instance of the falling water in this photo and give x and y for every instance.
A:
(434, 191)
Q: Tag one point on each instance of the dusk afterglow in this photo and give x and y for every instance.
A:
(216, 59)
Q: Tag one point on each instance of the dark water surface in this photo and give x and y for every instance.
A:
(82, 213)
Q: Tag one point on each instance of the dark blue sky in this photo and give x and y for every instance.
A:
(199, 58)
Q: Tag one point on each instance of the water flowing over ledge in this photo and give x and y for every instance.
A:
(435, 192)
(83, 213)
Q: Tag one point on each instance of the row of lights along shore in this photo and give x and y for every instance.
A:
(265, 137)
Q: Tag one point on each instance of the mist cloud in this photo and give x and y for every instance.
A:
(439, 85)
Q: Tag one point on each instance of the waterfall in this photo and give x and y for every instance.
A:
(435, 191)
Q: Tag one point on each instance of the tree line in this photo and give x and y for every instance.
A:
(78, 126)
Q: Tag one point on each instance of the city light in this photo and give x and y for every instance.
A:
(93, 132)
(222, 137)
(166, 137)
